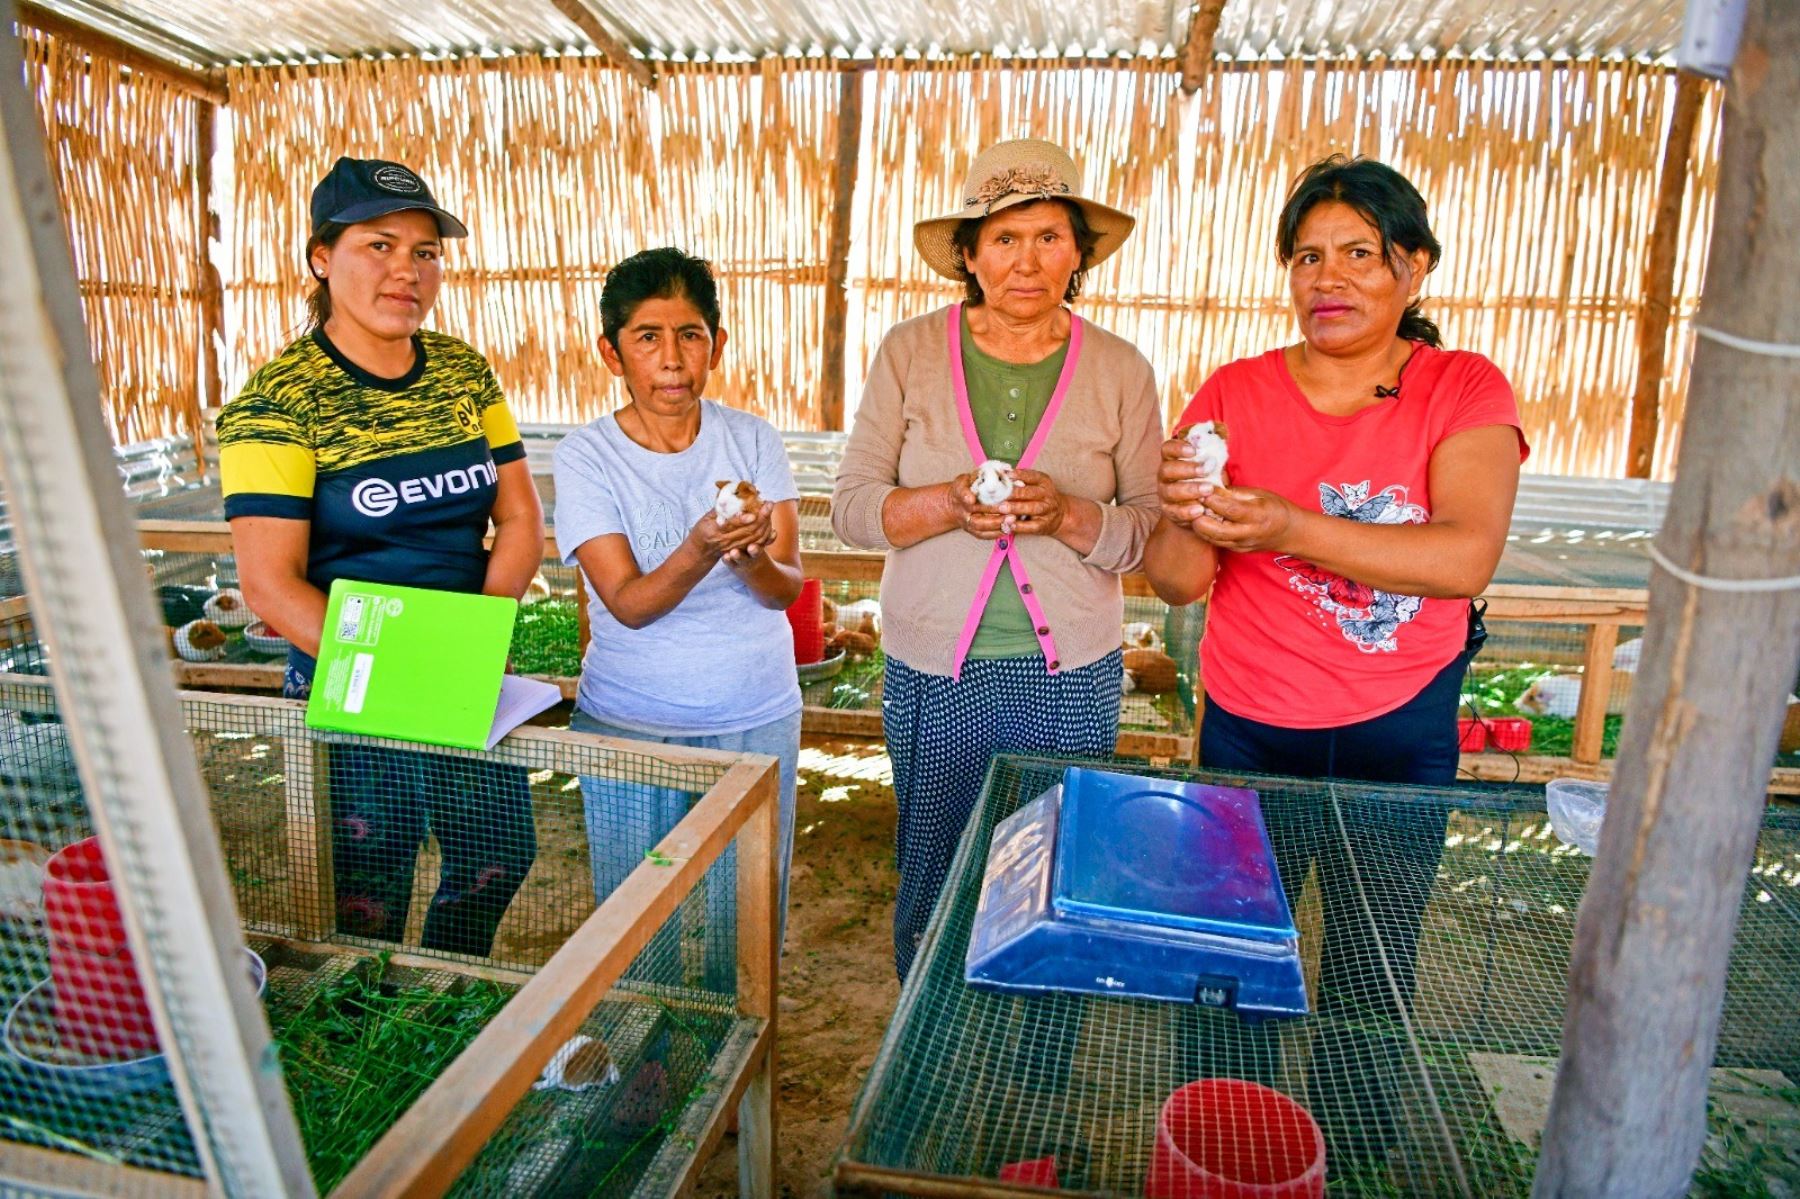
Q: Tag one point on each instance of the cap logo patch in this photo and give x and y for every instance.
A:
(397, 179)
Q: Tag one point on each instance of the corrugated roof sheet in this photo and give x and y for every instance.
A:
(224, 31)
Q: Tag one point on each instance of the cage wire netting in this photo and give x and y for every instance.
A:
(396, 898)
(1435, 932)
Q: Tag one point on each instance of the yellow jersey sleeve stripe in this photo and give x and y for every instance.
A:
(497, 422)
(259, 468)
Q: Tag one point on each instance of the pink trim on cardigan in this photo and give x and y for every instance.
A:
(1004, 549)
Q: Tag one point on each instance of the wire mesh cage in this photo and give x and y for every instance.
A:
(1435, 932)
(394, 901)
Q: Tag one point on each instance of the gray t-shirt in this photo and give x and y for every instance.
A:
(719, 662)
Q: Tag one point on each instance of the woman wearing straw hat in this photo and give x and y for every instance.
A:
(1371, 478)
(1001, 612)
(342, 458)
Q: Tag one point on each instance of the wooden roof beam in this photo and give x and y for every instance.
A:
(1196, 55)
(587, 19)
(199, 84)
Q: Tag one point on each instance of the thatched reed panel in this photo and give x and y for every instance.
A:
(560, 167)
(123, 148)
(1541, 180)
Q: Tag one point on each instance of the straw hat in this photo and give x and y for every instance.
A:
(1018, 172)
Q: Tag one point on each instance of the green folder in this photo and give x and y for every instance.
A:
(420, 665)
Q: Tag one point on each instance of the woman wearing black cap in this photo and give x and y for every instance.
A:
(376, 450)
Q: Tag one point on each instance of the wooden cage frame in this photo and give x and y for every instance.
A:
(451, 1121)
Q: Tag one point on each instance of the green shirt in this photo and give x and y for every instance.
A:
(1007, 400)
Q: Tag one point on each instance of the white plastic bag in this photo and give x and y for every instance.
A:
(1577, 808)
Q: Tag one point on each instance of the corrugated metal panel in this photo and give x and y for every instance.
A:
(262, 30)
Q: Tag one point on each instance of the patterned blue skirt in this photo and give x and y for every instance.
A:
(940, 734)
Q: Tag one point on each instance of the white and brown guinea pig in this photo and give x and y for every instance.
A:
(1210, 454)
(735, 498)
(582, 1062)
(993, 482)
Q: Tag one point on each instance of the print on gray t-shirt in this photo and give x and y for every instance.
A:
(720, 662)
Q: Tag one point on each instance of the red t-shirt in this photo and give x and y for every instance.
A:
(1290, 644)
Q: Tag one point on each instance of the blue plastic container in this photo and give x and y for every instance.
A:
(1115, 884)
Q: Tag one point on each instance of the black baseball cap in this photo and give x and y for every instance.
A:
(361, 189)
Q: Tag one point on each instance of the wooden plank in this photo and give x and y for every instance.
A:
(882, 1180)
(48, 1172)
(312, 885)
(586, 19)
(1197, 54)
(841, 722)
(837, 252)
(688, 1148)
(756, 1116)
(441, 1133)
(1133, 744)
(759, 964)
(853, 566)
(250, 675)
(185, 536)
(528, 745)
(1596, 688)
(1659, 275)
(201, 85)
(450, 963)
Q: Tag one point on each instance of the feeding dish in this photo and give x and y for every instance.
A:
(32, 1040)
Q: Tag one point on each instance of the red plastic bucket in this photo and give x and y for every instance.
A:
(1224, 1138)
(806, 618)
(100, 1004)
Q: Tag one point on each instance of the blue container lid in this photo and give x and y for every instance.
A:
(1169, 854)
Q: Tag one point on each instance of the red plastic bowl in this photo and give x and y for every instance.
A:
(1471, 736)
(1225, 1138)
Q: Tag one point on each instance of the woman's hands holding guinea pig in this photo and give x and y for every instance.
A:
(741, 536)
(1035, 506)
(1244, 519)
(971, 515)
(1178, 487)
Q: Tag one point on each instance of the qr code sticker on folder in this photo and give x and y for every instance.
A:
(350, 618)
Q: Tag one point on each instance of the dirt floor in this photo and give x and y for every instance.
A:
(837, 974)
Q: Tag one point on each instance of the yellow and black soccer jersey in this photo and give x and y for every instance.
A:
(397, 476)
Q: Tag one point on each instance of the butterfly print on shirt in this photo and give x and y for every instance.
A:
(1368, 618)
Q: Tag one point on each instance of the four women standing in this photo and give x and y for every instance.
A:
(1367, 498)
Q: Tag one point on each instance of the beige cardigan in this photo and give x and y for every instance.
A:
(1105, 446)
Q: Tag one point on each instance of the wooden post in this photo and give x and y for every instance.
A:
(1196, 55)
(586, 19)
(312, 887)
(212, 292)
(1647, 980)
(837, 252)
(1596, 689)
(759, 964)
(1659, 275)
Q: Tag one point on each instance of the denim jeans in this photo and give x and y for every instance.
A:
(626, 819)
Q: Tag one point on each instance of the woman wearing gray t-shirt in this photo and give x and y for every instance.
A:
(689, 642)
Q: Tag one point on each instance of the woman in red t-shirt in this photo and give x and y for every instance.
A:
(1370, 478)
